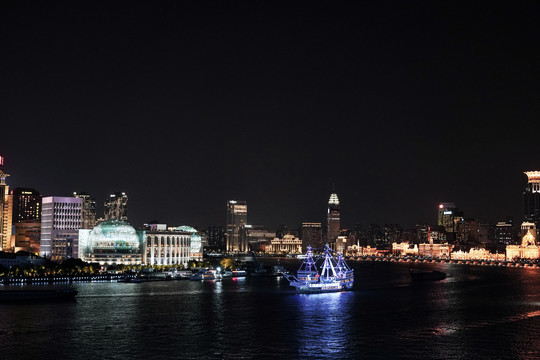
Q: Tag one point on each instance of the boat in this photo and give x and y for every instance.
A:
(427, 275)
(37, 294)
(239, 273)
(335, 275)
(206, 274)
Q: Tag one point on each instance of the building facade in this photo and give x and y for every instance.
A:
(289, 244)
(531, 198)
(216, 238)
(88, 214)
(333, 219)
(311, 235)
(26, 205)
(526, 250)
(112, 242)
(167, 247)
(236, 222)
(60, 224)
(7, 241)
(116, 206)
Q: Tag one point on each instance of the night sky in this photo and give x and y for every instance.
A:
(187, 104)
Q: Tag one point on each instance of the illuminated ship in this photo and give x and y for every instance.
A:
(335, 275)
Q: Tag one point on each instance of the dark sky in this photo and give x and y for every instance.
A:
(186, 104)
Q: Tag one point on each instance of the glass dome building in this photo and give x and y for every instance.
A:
(112, 242)
(196, 241)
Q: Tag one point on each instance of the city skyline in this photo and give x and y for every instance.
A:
(186, 106)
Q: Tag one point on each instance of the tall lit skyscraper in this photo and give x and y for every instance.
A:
(449, 216)
(236, 222)
(27, 219)
(531, 198)
(333, 218)
(7, 242)
(88, 210)
(116, 206)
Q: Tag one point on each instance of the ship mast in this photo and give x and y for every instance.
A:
(328, 271)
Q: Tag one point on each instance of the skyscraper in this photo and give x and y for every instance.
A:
(311, 234)
(27, 219)
(236, 222)
(116, 206)
(449, 216)
(333, 219)
(88, 210)
(26, 205)
(531, 198)
(7, 242)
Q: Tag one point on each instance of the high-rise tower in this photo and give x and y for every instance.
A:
(531, 198)
(236, 222)
(27, 219)
(333, 218)
(26, 205)
(88, 210)
(116, 206)
(6, 210)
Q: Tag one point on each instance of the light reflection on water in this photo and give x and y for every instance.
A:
(323, 327)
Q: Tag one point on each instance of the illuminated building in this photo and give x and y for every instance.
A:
(311, 235)
(112, 242)
(196, 248)
(355, 250)
(289, 244)
(434, 250)
(531, 198)
(404, 248)
(236, 222)
(527, 250)
(476, 254)
(448, 218)
(26, 204)
(28, 236)
(333, 219)
(60, 224)
(167, 247)
(528, 227)
(88, 210)
(116, 206)
(26, 219)
(7, 241)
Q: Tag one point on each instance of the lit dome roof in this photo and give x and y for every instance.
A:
(114, 236)
(186, 229)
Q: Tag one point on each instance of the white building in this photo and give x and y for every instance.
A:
(61, 219)
(166, 247)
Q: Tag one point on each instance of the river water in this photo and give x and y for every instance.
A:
(478, 312)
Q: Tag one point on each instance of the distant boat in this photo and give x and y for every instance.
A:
(37, 294)
(207, 274)
(427, 275)
(335, 275)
